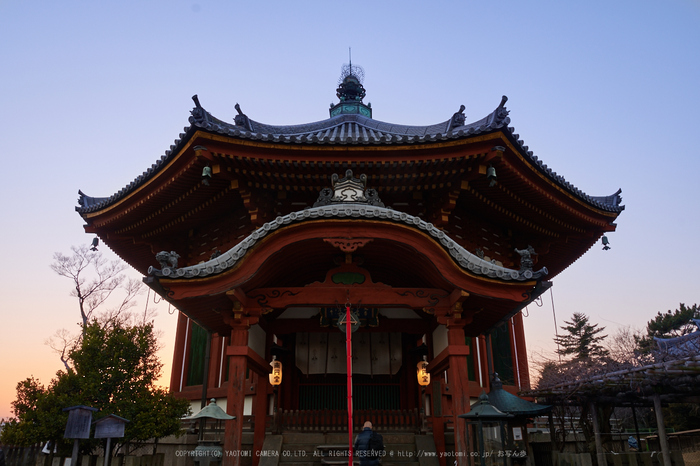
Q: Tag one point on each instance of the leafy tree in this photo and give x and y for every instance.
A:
(582, 339)
(112, 365)
(114, 370)
(118, 367)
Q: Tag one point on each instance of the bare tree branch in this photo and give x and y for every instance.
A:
(62, 342)
(91, 292)
(94, 280)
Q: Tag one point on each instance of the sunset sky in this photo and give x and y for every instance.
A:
(605, 93)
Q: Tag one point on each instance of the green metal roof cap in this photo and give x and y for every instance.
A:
(482, 409)
(509, 403)
(211, 411)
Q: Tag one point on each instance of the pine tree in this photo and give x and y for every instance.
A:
(582, 339)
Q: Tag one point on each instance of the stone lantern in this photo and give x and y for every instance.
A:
(209, 451)
(488, 433)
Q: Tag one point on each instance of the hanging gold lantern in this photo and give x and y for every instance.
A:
(276, 374)
(422, 372)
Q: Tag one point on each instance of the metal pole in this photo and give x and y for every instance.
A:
(108, 456)
(207, 357)
(348, 348)
(74, 456)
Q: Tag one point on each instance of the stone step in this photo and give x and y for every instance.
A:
(307, 448)
(384, 463)
(341, 438)
(344, 463)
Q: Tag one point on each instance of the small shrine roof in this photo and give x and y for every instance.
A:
(512, 404)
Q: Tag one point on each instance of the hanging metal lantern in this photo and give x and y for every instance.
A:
(491, 175)
(276, 374)
(354, 321)
(422, 372)
(206, 175)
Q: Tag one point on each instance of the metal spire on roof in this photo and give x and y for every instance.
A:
(350, 91)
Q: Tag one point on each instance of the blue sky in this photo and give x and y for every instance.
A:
(606, 93)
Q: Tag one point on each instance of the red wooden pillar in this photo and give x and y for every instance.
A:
(458, 379)
(435, 391)
(260, 413)
(236, 394)
(179, 352)
(484, 370)
(214, 361)
(522, 351)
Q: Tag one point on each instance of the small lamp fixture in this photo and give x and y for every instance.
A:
(606, 243)
(491, 176)
(488, 432)
(422, 372)
(206, 175)
(276, 374)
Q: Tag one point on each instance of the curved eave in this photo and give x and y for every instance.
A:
(344, 131)
(234, 267)
(610, 203)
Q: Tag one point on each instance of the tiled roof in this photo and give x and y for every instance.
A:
(348, 129)
(461, 256)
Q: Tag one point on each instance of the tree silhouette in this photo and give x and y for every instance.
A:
(582, 339)
(94, 280)
(114, 369)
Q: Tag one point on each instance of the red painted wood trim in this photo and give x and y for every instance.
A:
(522, 351)
(257, 364)
(178, 353)
(318, 229)
(441, 361)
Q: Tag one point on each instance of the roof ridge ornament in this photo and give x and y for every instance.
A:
(458, 118)
(502, 112)
(527, 262)
(242, 119)
(348, 190)
(198, 113)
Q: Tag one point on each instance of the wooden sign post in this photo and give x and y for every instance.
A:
(110, 427)
(78, 426)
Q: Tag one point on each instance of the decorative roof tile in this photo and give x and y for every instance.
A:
(465, 259)
(347, 129)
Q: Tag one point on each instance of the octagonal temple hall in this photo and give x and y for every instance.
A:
(435, 236)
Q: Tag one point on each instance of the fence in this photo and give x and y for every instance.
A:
(170, 453)
(684, 446)
(337, 420)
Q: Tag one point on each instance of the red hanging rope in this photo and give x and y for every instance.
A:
(348, 348)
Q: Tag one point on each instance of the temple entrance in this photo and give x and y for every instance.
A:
(368, 393)
(380, 381)
(384, 391)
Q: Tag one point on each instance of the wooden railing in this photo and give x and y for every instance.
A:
(337, 420)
